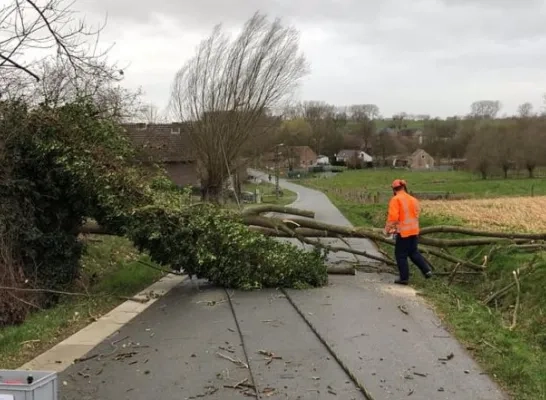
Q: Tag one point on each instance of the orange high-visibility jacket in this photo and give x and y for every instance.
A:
(403, 216)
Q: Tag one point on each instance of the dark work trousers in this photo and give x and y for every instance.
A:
(407, 247)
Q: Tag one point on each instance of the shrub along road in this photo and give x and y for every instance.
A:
(196, 343)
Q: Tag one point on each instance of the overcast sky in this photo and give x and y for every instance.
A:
(421, 57)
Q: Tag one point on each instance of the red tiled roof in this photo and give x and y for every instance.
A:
(161, 142)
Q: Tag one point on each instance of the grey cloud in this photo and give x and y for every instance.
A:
(384, 51)
(204, 14)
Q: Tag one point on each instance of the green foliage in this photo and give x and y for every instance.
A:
(63, 165)
(211, 243)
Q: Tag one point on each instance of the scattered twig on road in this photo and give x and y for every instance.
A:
(447, 358)
(233, 360)
(237, 385)
(403, 309)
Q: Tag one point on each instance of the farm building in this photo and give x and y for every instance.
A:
(419, 159)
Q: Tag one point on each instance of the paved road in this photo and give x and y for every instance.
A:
(192, 344)
(325, 211)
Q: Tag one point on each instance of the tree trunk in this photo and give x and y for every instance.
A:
(505, 171)
(237, 184)
(531, 171)
(483, 173)
(211, 192)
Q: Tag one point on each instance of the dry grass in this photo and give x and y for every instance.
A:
(508, 213)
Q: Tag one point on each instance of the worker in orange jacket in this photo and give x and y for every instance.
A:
(403, 222)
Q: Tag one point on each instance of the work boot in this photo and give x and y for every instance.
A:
(401, 282)
(428, 275)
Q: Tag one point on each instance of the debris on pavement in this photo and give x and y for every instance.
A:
(269, 356)
(237, 385)
(233, 360)
(211, 303)
(403, 308)
(269, 391)
(447, 358)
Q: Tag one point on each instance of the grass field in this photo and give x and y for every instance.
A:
(110, 269)
(455, 182)
(515, 358)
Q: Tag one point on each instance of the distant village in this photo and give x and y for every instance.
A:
(168, 145)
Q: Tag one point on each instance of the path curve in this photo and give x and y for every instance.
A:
(325, 211)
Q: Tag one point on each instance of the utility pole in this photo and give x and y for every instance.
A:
(277, 170)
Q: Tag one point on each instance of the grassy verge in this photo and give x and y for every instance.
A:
(110, 269)
(515, 358)
(268, 193)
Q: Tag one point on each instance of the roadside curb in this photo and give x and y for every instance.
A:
(62, 355)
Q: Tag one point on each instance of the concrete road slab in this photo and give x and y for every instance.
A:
(168, 352)
(393, 354)
(304, 369)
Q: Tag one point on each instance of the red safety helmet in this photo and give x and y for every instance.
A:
(398, 183)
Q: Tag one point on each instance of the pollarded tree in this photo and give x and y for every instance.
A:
(224, 91)
(480, 153)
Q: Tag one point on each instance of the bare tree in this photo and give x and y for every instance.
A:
(321, 117)
(485, 108)
(503, 147)
(363, 124)
(150, 114)
(361, 111)
(61, 84)
(223, 92)
(399, 120)
(525, 110)
(479, 156)
(370, 111)
(41, 25)
(531, 148)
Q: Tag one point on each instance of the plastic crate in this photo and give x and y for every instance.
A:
(14, 386)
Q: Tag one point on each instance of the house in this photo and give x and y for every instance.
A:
(167, 145)
(290, 157)
(298, 156)
(346, 155)
(420, 159)
(323, 160)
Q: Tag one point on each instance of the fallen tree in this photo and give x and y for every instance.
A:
(289, 222)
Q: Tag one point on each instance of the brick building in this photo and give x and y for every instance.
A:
(291, 157)
(167, 145)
